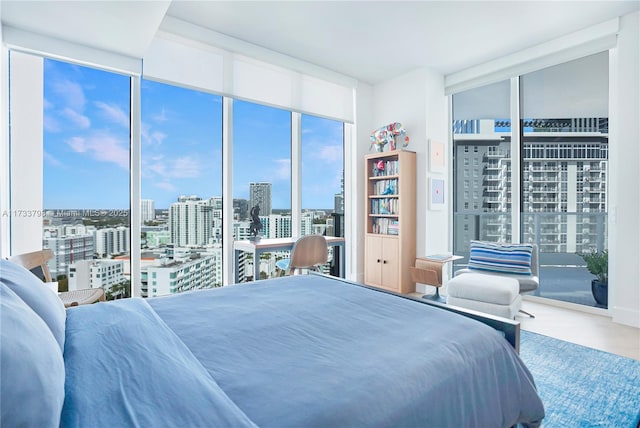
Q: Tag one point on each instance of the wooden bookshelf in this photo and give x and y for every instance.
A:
(390, 238)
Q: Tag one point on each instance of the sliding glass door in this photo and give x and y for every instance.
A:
(482, 167)
(564, 172)
(562, 158)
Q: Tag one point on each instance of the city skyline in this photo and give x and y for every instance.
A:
(86, 144)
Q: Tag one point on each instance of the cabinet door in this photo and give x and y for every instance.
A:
(390, 265)
(373, 261)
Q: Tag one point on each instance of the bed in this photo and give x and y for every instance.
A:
(300, 351)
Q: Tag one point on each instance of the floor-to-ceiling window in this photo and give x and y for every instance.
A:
(564, 123)
(322, 182)
(87, 114)
(482, 166)
(86, 173)
(261, 181)
(181, 189)
(562, 156)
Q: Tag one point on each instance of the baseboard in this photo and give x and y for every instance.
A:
(625, 316)
(567, 305)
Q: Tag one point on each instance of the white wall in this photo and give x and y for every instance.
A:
(624, 175)
(417, 100)
(26, 157)
(354, 170)
(4, 145)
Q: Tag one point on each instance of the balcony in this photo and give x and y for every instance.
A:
(563, 273)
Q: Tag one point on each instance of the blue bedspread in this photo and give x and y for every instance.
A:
(303, 351)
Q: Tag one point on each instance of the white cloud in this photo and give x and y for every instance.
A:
(182, 167)
(151, 169)
(103, 147)
(151, 137)
(161, 117)
(185, 167)
(157, 137)
(51, 160)
(108, 148)
(113, 113)
(77, 144)
(50, 124)
(165, 185)
(330, 153)
(70, 93)
(80, 120)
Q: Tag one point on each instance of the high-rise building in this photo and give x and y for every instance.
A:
(338, 199)
(178, 274)
(95, 274)
(216, 226)
(190, 221)
(306, 223)
(279, 226)
(240, 209)
(260, 194)
(147, 210)
(110, 241)
(67, 250)
(564, 181)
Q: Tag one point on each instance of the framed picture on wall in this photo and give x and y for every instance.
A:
(436, 156)
(436, 197)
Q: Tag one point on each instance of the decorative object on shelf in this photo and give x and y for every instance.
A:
(387, 135)
(598, 265)
(256, 225)
(436, 156)
(390, 189)
(379, 168)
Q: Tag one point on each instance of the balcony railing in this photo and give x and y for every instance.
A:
(538, 228)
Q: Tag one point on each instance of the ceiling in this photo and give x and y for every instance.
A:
(371, 41)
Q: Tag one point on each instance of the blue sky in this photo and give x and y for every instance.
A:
(86, 144)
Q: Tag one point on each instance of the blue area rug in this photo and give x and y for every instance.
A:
(580, 386)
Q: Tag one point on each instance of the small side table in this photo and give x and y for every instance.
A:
(428, 270)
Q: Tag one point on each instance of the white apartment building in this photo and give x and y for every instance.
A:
(279, 226)
(197, 271)
(96, 273)
(306, 223)
(190, 222)
(147, 210)
(110, 241)
(67, 250)
(564, 182)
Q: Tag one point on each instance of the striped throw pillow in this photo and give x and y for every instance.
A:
(512, 259)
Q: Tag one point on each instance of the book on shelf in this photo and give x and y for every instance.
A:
(386, 187)
(381, 168)
(385, 226)
(393, 228)
(384, 206)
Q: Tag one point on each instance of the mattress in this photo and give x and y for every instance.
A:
(289, 352)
